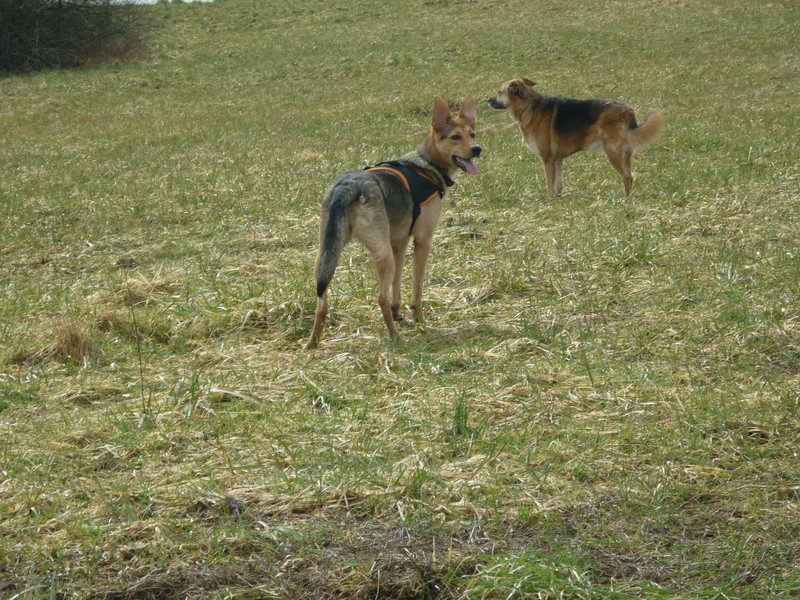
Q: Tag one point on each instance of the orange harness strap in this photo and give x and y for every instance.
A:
(395, 171)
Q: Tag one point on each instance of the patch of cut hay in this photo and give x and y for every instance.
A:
(142, 290)
(72, 343)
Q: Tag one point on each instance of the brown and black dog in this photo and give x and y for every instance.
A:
(385, 206)
(555, 127)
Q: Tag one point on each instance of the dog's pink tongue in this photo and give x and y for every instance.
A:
(467, 165)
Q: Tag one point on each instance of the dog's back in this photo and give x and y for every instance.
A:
(572, 116)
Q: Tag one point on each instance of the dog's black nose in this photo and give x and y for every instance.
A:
(476, 150)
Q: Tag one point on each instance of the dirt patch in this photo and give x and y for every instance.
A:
(329, 554)
(614, 566)
(391, 563)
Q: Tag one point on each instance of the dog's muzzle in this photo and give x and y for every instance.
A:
(496, 103)
(466, 164)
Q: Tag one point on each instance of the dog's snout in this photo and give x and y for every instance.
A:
(495, 102)
(476, 150)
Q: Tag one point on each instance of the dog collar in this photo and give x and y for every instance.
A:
(448, 181)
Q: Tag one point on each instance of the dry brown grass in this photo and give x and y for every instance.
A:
(72, 343)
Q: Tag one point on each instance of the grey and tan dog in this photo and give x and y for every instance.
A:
(555, 127)
(387, 205)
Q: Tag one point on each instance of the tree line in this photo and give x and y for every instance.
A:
(42, 34)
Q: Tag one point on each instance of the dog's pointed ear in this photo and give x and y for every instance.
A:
(467, 111)
(441, 114)
(529, 82)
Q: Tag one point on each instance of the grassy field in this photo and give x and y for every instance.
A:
(603, 403)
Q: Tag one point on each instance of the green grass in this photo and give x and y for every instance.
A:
(604, 401)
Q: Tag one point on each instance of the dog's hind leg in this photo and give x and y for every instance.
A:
(399, 250)
(322, 274)
(620, 159)
(382, 252)
(319, 321)
(627, 159)
(384, 263)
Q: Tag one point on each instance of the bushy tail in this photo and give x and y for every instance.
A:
(646, 134)
(333, 236)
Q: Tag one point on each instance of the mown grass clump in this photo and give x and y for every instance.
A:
(603, 402)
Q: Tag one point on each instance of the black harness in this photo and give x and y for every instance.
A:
(422, 188)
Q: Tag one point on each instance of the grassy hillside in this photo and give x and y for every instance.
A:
(604, 401)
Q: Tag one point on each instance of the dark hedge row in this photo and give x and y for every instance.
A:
(40, 34)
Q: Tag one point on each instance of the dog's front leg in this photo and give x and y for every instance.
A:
(558, 165)
(552, 170)
(422, 250)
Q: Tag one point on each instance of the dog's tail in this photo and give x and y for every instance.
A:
(644, 135)
(334, 234)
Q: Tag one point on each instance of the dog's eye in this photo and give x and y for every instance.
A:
(472, 135)
(455, 137)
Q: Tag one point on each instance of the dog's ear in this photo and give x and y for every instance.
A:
(518, 87)
(467, 111)
(441, 114)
